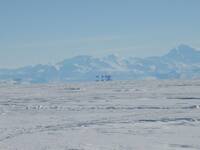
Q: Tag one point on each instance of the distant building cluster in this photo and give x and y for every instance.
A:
(103, 77)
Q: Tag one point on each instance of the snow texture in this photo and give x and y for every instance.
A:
(131, 115)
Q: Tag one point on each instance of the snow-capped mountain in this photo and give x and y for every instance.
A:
(182, 62)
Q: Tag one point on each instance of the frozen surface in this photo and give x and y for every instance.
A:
(136, 115)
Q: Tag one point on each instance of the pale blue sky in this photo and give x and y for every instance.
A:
(47, 31)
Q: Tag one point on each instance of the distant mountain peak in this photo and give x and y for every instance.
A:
(113, 55)
(184, 46)
(181, 49)
(183, 53)
(185, 49)
(181, 62)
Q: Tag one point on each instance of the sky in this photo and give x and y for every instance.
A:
(48, 31)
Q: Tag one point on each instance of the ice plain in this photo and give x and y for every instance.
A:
(117, 115)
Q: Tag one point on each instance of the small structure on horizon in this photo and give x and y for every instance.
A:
(103, 77)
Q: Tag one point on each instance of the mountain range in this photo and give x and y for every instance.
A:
(182, 62)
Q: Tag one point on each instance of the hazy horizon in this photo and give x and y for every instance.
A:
(101, 57)
(48, 31)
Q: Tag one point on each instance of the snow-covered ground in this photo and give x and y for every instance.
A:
(131, 115)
